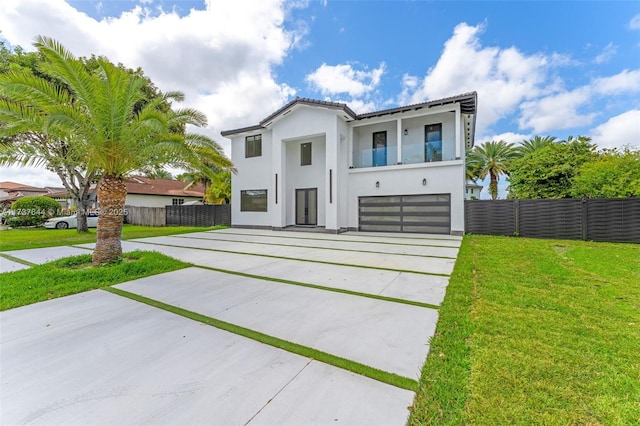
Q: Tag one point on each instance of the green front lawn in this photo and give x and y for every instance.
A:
(536, 332)
(18, 239)
(75, 274)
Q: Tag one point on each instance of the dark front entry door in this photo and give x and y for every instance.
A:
(307, 206)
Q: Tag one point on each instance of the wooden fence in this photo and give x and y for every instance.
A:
(613, 220)
(205, 215)
(145, 216)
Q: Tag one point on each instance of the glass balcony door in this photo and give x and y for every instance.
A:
(433, 142)
(380, 149)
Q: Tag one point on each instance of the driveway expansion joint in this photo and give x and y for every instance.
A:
(279, 392)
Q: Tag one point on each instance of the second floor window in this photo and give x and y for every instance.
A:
(305, 154)
(253, 146)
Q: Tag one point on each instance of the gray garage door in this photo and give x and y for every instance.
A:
(429, 213)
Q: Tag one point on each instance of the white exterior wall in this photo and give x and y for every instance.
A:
(301, 177)
(142, 200)
(253, 173)
(407, 180)
(301, 124)
(341, 175)
(334, 143)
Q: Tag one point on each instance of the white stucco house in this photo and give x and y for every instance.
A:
(318, 164)
(472, 191)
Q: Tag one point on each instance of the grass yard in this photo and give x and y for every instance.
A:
(536, 332)
(18, 239)
(74, 275)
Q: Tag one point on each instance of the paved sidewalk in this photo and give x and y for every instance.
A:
(100, 358)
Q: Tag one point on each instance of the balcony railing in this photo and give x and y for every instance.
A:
(412, 153)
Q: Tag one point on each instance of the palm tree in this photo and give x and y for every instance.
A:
(582, 139)
(107, 129)
(493, 159)
(529, 145)
(220, 190)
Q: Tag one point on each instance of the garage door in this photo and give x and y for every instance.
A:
(429, 214)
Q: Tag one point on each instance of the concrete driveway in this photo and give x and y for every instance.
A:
(101, 358)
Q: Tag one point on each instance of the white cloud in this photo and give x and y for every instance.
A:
(409, 85)
(561, 110)
(607, 54)
(623, 82)
(509, 137)
(634, 24)
(503, 77)
(557, 111)
(343, 78)
(221, 57)
(623, 129)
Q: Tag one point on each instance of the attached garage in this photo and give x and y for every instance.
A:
(428, 213)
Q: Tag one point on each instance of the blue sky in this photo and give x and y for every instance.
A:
(552, 68)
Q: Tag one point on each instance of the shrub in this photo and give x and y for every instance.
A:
(33, 210)
(16, 222)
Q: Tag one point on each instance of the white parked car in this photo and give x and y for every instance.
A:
(71, 221)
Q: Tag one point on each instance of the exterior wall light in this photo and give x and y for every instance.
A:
(377, 184)
(424, 182)
(406, 132)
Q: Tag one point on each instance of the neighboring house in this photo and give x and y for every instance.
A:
(66, 201)
(12, 191)
(318, 164)
(472, 191)
(145, 192)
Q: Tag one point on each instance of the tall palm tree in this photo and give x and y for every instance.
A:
(529, 145)
(107, 129)
(493, 159)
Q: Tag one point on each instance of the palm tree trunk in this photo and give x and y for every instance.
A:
(112, 192)
(493, 186)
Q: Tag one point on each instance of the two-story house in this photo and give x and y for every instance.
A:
(318, 164)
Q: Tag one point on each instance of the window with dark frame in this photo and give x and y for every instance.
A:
(253, 200)
(433, 142)
(177, 201)
(253, 146)
(305, 154)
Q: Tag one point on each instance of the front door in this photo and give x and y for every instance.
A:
(307, 206)
(380, 149)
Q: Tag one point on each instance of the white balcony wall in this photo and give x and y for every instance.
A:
(363, 143)
(413, 141)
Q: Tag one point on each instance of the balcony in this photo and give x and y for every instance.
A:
(422, 139)
(413, 153)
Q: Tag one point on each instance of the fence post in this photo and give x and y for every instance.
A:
(516, 212)
(585, 218)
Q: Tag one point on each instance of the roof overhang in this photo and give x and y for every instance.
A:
(467, 101)
(347, 114)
